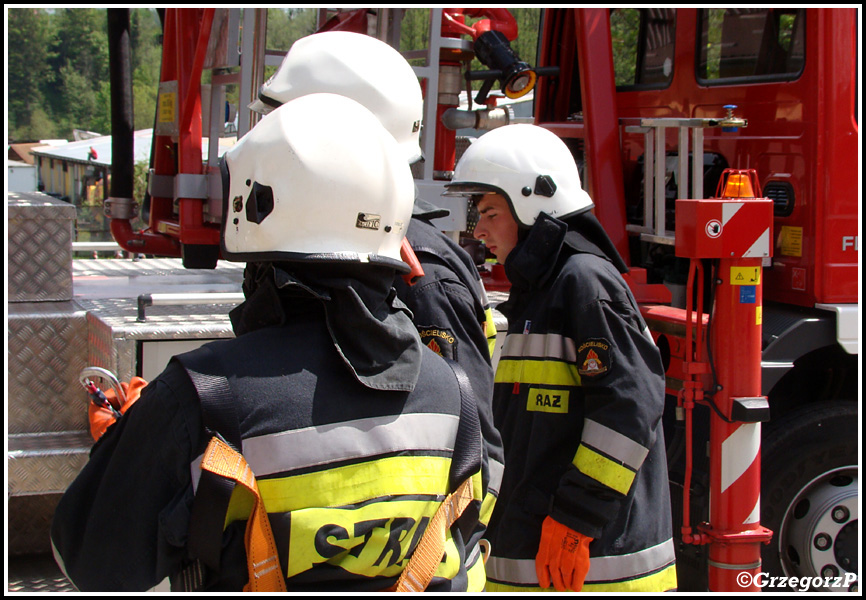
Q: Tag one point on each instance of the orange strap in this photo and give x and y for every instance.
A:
(428, 554)
(262, 559)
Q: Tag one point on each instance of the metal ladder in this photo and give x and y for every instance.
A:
(654, 131)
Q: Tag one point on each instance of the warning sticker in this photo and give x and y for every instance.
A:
(791, 241)
(798, 279)
(745, 275)
(166, 107)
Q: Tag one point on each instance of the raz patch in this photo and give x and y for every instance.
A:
(440, 341)
(594, 358)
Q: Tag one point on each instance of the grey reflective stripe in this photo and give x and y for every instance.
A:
(496, 470)
(630, 566)
(614, 444)
(539, 345)
(511, 570)
(601, 568)
(313, 446)
(473, 556)
(483, 293)
(646, 331)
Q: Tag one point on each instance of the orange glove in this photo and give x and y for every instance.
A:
(563, 557)
(102, 418)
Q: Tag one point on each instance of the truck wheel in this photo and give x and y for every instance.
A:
(809, 497)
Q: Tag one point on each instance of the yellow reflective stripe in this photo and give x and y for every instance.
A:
(603, 469)
(349, 484)
(493, 586)
(663, 581)
(477, 486)
(490, 331)
(487, 505)
(543, 372)
(477, 577)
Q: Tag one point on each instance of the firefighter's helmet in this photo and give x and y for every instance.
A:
(527, 164)
(358, 66)
(318, 179)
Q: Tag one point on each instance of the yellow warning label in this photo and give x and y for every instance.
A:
(791, 241)
(759, 315)
(167, 103)
(745, 275)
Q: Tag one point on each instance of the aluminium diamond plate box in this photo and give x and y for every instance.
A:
(39, 253)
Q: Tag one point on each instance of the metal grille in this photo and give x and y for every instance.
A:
(782, 195)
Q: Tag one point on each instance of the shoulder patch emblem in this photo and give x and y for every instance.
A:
(440, 341)
(594, 358)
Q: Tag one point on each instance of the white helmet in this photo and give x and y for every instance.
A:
(360, 67)
(318, 179)
(527, 164)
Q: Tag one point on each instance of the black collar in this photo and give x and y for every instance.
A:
(370, 327)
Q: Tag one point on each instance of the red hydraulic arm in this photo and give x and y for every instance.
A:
(177, 156)
(498, 19)
(454, 26)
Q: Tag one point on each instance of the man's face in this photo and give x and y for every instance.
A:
(496, 227)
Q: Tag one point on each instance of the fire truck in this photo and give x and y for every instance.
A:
(721, 149)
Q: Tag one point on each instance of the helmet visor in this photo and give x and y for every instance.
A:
(470, 188)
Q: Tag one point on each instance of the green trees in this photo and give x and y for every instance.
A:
(57, 63)
(58, 71)
(29, 33)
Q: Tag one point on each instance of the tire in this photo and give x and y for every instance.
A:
(809, 492)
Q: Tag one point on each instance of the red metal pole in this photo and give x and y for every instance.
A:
(597, 87)
(735, 447)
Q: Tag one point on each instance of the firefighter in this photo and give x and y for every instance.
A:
(448, 303)
(579, 387)
(354, 432)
